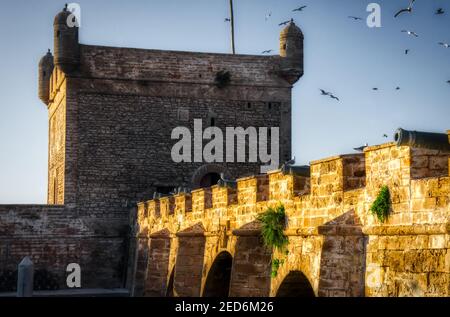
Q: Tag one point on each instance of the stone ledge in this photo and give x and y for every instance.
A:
(333, 158)
(407, 230)
(379, 147)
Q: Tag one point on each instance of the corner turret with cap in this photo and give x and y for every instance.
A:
(67, 48)
(45, 72)
(291, 49)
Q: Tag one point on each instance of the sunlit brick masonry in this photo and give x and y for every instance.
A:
(111, 112)
(207, 242)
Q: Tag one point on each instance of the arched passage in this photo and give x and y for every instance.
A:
(209, 180)
(218, 280)
(208, 175)
(295, 284)
(169, 290)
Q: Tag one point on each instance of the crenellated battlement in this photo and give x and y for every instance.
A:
(334, 240)
(336, 185)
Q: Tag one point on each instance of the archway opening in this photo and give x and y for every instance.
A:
(218, 280)
(295, 284)
(209, 180)
(170, 292)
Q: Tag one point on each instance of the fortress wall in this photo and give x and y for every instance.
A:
(177, 66)
(409, 254)
(341, 248)
(121, 126)
(54, 237)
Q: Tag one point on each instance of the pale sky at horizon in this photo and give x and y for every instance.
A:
(341, 55)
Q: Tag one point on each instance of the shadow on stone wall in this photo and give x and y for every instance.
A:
(343, 258)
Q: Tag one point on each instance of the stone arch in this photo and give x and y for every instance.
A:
(205, 170)
(219, 276)
(295, 284)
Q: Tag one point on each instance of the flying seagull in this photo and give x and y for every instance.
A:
(397, 88)
(267, 52)
(355, 18)
(361, 148)
(385, 136)
(325, 93)
(440, 11)
(446, 45)
(227, 20)
(410, 33)
(406, 51)
(285, 22)
(299, 9)
(334, 97)
(375, 88)
(408, 9)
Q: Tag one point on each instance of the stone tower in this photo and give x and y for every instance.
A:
(112, 112)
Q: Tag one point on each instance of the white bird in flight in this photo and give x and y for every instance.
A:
(410, 33)
(446, 45)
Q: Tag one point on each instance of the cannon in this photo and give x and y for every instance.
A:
(426, 140)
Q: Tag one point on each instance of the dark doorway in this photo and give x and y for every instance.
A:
(209, 180)
(170, 292)
(218, 280)
(295, 284)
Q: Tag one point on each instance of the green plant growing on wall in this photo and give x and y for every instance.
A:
(382, 204)
(272, 231)
(276, 263)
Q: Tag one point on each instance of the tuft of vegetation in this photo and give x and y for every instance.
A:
(276, 263)
(223, 79)
(382, 205)
(273, 223)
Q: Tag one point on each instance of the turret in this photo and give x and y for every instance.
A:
(67, 48)
(45, 72)
(291, 49)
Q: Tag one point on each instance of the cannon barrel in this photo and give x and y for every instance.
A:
(426, 140)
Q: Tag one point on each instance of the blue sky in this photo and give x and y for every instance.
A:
(341, 56)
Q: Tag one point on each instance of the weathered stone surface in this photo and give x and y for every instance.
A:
(339, 247)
